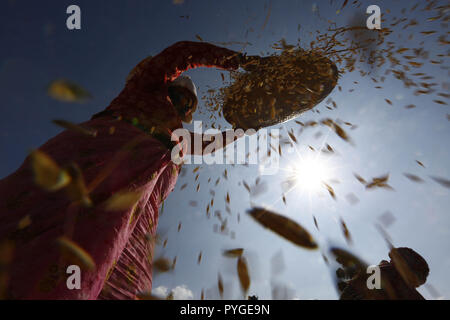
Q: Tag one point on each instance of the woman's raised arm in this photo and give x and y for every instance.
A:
(184, 55)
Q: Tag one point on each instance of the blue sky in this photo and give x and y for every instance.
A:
(37, 48)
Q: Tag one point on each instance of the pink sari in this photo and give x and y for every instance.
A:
(119, 242)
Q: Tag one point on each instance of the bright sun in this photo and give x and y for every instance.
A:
(310, 173)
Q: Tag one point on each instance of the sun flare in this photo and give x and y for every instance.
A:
(310, 173)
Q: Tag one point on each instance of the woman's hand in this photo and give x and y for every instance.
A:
(219, 140)
(252, 63)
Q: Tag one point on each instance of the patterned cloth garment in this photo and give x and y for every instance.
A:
(129, 153)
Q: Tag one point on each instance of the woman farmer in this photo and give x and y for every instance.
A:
(84, 213)
(406, 271)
